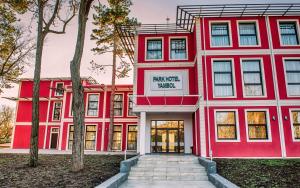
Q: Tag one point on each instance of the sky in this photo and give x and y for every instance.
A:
(59, 49)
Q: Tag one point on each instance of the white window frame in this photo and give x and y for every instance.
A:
(70, 105)
(51, 131)
(269, 131)
(262, 76)
(297, 30)
(127, 136)
(122, 104)
(285, 75)
(53, 108)
(229, 32)
(55, 93)
(162, 48)
(128, 104)
(233, 77)
(87, 104)
(186, 47)
(257, 32)
(118, 124)
(238, 136)
(291, 123)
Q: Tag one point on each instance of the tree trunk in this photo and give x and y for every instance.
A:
(112, 95)
(33, 160)
(78, 90)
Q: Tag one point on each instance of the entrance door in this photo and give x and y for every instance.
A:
(54, 138)
(167, 137)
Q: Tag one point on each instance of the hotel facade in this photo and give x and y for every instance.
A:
(224, 81)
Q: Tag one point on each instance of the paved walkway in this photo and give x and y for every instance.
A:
(157, 171)
(61, 152)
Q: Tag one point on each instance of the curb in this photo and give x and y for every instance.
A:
(122, 176)
(213, 177)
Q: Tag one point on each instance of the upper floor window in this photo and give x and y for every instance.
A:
(130, 105)
(226, 125)
(220, 34)
(257, 125)
(56, 111)
(292, 68)
(223, 82)
(118, 105)
(248, 35)
(288, 33)
(59, 89)
(252, 76)
(93, 100)
(154, 49)
(178, 49)
(296, 124)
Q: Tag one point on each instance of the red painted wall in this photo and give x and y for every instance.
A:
(22, 137)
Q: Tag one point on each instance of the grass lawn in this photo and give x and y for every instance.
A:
(261, 172)
(54, 171)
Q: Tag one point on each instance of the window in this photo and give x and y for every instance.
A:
(154, 49)
(117, 137)
(71, 136)
(292, 68)
(223, 82)
(252, 76)
(226, 125)
(296, 124)
(132, 137)
(93, 100)
(178, 49)
(59, 90)
(288, 33)
(130, 105)
(257, 125)
(56, 111)
(248, 35)
(220, 34)
(90, 137)
(118, 105)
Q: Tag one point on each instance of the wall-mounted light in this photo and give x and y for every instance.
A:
(286, 118)
(273, 118)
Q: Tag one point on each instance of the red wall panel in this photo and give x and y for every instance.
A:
(22, 137)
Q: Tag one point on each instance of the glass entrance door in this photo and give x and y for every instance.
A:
(167, 137)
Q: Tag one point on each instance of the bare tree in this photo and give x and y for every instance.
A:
(78, 90)
(49, 16)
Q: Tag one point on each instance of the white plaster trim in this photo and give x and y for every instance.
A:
(165, 64)
(162, 108)
(103, 119)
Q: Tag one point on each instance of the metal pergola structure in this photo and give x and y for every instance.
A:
(186, 14)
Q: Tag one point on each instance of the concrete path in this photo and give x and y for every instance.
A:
(156, 171)
(61, 152)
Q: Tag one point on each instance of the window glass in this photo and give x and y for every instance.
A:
(57, 111)
(130, 105)
(59, 90)
(93, 101)
(288, 33)
(220, 34)
(226, 125)
(178, 49)
(71, 136)
(154, 49)
(117, 137)
(248, 34)
(132, 137)
(118, 105)
(223, 85)
(257, 125)
(293, 76)
(296, 124)
(90, 137)
(252, 76)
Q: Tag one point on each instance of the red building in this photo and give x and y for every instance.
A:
(56, 129)
(224, 81)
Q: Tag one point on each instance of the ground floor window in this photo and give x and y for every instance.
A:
(117, 137)
(296, 124)
(90, 137)
(132, 137)
(71, 137)
(226, 125)
(257, 125)
(167, 136)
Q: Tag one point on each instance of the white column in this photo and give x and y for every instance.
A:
(142, 133)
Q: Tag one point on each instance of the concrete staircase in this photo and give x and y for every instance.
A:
(168, 171)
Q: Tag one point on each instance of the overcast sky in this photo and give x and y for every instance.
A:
(59, 49)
